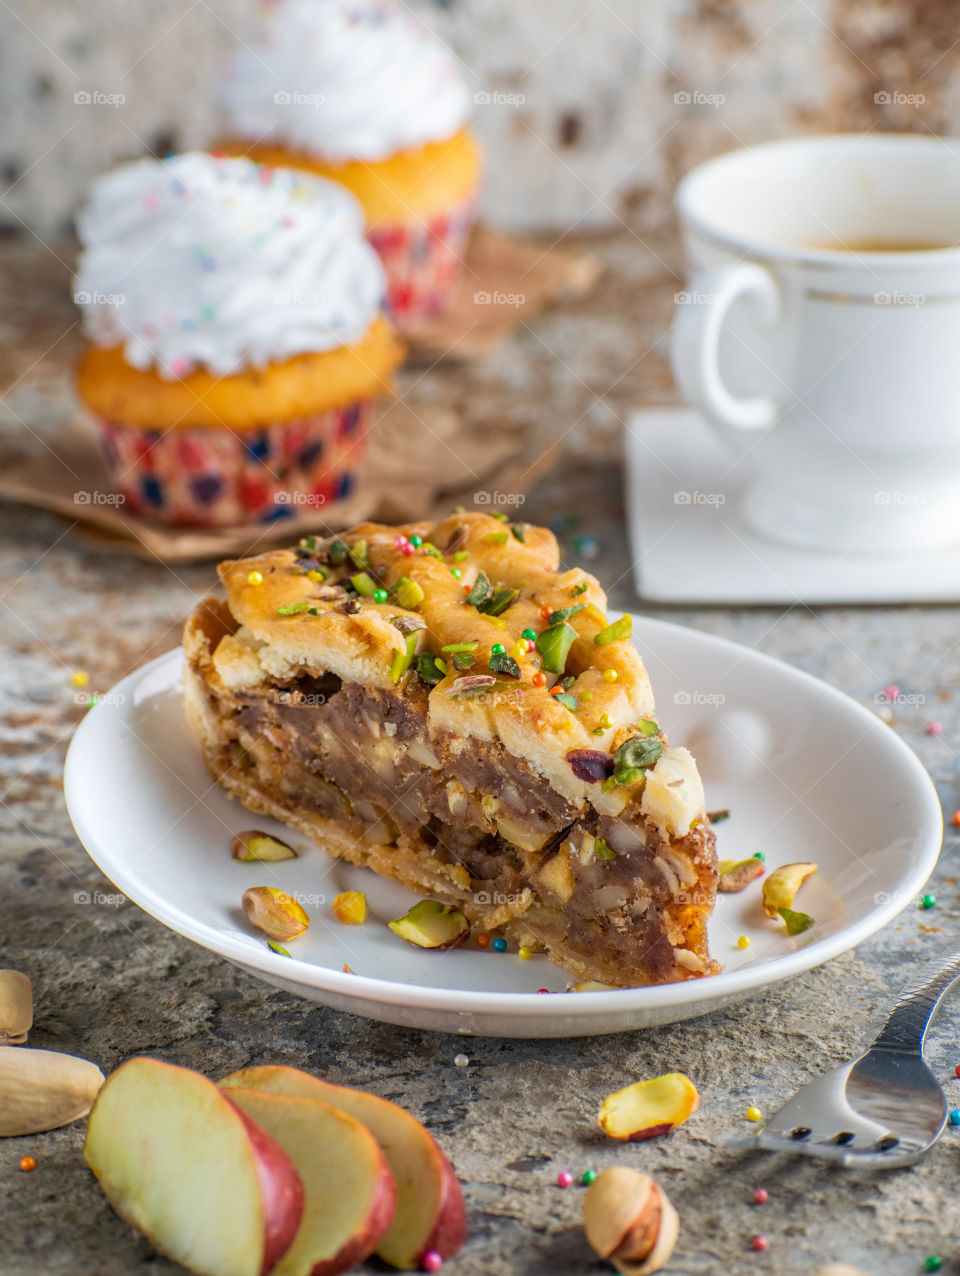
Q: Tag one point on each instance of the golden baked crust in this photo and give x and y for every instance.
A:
(302, 386)
(569, 823)
(422, 182)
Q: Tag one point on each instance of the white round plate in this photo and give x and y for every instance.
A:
(806, 772)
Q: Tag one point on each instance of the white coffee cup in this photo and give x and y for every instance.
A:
(831, 370)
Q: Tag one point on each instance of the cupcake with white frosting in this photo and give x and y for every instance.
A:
(362, 92)
(235, 338)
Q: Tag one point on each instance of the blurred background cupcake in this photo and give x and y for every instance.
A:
(363, 93)
(235, 338)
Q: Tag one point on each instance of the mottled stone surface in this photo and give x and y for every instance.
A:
(110, 982)
(589, 111)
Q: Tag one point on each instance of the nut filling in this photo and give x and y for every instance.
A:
(576, 869)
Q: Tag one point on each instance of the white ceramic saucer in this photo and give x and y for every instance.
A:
(806, 772)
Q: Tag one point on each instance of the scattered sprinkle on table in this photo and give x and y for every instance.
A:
(483, 941)
(955, 1116)
(524, 952)
(754, 1114)
(760, 1196)
(932, 1263)
(935, 728)
(759, 1243)
(461, 1060)
(928, 901)
(80, 677)
(500, 945)
(588, 1177)
(892, 692)
(564, 1179)
(956, 819)
(27, 1163)
(432, 1261)
(743, 941)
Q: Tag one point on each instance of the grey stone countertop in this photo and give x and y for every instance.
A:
(110, 982)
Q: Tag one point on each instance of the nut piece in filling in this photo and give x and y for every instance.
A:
(442, 703)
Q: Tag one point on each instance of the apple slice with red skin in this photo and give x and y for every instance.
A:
(430, 1214)
(349, 1193)
(185, 1166)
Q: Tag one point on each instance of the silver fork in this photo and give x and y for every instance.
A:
(882, 1110)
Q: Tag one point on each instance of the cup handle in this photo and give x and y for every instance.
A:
(695, 342)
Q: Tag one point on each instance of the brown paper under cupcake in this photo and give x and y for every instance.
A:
(505, 280)
(441, 463)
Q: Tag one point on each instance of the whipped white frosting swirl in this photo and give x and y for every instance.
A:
(344, 80)
(198, 261)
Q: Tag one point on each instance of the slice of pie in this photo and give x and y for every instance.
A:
(441, 703)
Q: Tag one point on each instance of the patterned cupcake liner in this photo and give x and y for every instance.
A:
(423, 261)
(217, 477)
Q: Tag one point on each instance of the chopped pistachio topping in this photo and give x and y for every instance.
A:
(293, 609)
(276, 947)
(496, 538)
(647, 726)
(480, 591)
(408, 593)
(554, 646)
(408, 624)
(431, 549)
(472, 645)
(519, 531)
(461, 555)
(568, 701)
(796, 923)
(621, 628)
(634, 756)
(403, 659)
(501, 600)
(358, 554)
(603, 850)
(579, 589)
(338, 551)
(501, 518)
(428, 670)
(500, 662)
(463, 659)
(564, 613)
(364, 584)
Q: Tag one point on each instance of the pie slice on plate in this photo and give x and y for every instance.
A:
(441, 703)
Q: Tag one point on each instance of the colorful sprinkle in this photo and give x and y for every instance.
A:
(957, 1069)
(760, 1196)
(954, 1117)
(497, 649)
(956, 819)
(500, 945)
(585, 545)
(27, 1164)
(588, 1177)
(753, 1114)
(743, 941)
(524, 952)
(432, 1261)
(545, 613)
(543, 990)
(759, 1243)
(928, 901)
(892, 692)
(606, 721)
(529, 634)
(935, 728)
(539, 678)
(609, 675)
(564, 1179)
(759, 855)
(380, 595)
(456, 573)
(80, 677)
(416, 541)
(932, 1263)
(255, 578)
(461, 1060)
(483, 941)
